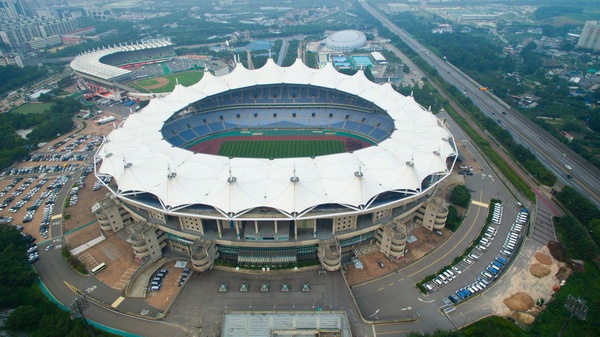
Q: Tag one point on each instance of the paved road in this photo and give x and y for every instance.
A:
(399, 286)
(551, 152)
(283, 51)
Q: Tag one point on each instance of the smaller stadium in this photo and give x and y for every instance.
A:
(149, 66)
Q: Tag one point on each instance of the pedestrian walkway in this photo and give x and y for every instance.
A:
(542, 228)
(365, 249)
(88, 260)
(111, 251)
(124, 279)
(78, 228)
(87, 245)
(480, 204)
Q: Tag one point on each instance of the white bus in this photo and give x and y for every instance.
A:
(106, 120)
(98, 268)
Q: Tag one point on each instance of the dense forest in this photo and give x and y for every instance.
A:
(13, 77)
(550, 11)
(46, 126)
(33, 315)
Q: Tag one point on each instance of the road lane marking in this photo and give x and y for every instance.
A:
(478, 203)
(380, 289)
(475, 308)
(72, 287)
(456, 245)
(391, 284)
(117, 302)
(57, 216)
(430, 301)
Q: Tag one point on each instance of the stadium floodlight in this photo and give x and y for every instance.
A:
(577, 308)
(294, 179)
(359, 173)
(79, 305)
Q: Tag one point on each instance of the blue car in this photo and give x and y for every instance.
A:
(501, 260)
(492, 270)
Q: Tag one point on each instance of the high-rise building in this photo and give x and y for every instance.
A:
(10, 9)
(590, 36)
(17, 32)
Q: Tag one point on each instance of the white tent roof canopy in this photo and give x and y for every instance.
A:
(89, 62)
(418, 149)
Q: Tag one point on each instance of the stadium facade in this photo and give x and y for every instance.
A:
(274, 212)
(107, 69)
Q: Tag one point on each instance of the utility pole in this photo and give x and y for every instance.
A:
(79, 305)
(577, 308)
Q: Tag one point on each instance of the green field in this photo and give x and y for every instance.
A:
(33, 108)
(280, 148)
(186, 79)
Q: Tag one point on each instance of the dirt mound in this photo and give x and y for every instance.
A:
(524, 317)
(519, 302)
(543, 258)
(557, 251)
(564, 273)
(539, 270)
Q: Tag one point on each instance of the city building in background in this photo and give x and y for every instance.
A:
(590, 36)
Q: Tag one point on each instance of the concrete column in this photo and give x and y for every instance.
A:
(219, 228)
(256, 226)
(237, 229)
(275, 225)
(201, 226)
(295, 229)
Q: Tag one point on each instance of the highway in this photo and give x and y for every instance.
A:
(549, 151)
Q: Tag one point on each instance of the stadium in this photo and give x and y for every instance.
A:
(111, 72)
(318, 162)
(346, 40)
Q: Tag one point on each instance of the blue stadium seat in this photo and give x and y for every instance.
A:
(365, 129)
(176, 141)
(202, 130)
(351, 125)
(379, 134)
(188, 135)
(216, 126)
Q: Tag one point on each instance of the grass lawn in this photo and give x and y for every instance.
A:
(186, 79)
(147, 82)
(32, 108)
(280, 148)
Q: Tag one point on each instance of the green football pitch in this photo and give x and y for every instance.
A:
(280, 148)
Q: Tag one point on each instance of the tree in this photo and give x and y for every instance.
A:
(34, 314)
(45, 98)
(577, 238)
(460, 196)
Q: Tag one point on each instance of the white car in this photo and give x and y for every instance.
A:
(568, 167)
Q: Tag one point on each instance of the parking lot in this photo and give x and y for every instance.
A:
(497, 261)
(29, 189)
(200, 302)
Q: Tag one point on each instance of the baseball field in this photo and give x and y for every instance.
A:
(167, 83)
